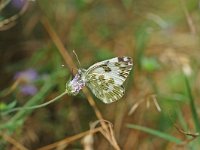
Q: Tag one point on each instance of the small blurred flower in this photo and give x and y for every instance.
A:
(28, 89)
(27, 75)
(74, 86)
(26, 78)
(18, 3)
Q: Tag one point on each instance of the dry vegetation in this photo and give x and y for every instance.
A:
(160, 108)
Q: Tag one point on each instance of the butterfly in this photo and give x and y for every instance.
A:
(105, 79)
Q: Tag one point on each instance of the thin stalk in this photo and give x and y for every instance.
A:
(192, 104)
(37, 106)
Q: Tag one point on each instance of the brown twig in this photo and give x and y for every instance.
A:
(13, 142)
(58, 43)
(9, 22)
(71, 139)
(12, 88)
(186, 141)
(108, 134)
(70, 65)
(194, 135)
(188, 17)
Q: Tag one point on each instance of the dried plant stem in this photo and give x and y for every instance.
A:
(4, 24)
(188, 17)
(8, 91)
(58, 43)
(110, 137)
(71, 64)
(93, 104)
(13, 142)
(71, 139)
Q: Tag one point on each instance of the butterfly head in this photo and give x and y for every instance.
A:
(75, 85)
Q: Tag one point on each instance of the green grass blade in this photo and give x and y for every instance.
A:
(22, 114)
(156, 133)
(192, 105)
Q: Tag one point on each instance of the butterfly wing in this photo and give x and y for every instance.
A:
(105, 78)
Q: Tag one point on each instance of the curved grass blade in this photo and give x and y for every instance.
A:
(155, 133)
(192, 105)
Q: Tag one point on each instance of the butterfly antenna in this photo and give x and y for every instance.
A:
(77, 58)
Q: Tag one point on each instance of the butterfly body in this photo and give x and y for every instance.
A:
(105, 79)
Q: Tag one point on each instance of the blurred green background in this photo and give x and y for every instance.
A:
(160, 108)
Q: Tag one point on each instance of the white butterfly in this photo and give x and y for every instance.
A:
(104, 79)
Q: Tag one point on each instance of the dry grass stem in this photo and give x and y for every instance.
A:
(186, 141)
(10, 22)
(71, 64)
(187, 133)
(148, 104)
(134, 107)
(58, 43)
(13, 142)
(156, 102)
(70, 139)
(109, 135)
(148, 98)
(12, 88)
(88, 142)
(188, 17)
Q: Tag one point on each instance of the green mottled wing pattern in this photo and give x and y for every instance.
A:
(104, 88)
(105, 79)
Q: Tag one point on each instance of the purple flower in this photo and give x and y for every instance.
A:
(28, 89)
(18, 3)
(27, 77)
(75, 85)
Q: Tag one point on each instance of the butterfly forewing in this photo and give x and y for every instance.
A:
(105, 78)
(104, 88)
(118, 68)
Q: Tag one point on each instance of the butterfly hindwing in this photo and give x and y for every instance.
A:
(105, 78)
(104, 88)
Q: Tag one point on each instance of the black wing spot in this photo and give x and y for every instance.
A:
(106, 69)
(120, 59)
(117, 64)
(129, 59)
